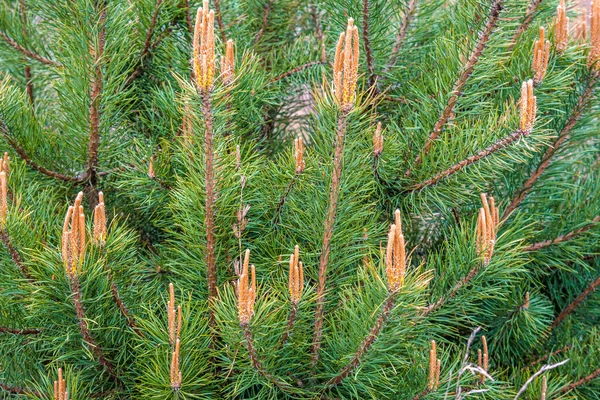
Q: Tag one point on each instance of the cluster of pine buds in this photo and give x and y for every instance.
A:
(4, 170)
(174, 322)
(296, 277)
(482, 358)
(299, 155)
(594, 55)
(60, 387)
(435, 366)
(73, 236)
(345, 67)
(246, 291)
(561, 28)
(228, 64)
(487, 225)
(204, 48)
(528, 106)
(377, 141)
(395, 256)
(100, 231)
(541, 56)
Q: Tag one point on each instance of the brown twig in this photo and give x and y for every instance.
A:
(563, 238)
(334, 192)
(123, 308)
(551, 151)
(256, 362)
(484, 37)
(575, 303)
(529, 15)
(406, 19)
(14, 254)
(366, 343)
(457, 286)
(24, 331)
(95, 97)
(499, 145)
(367, 42)
(265, 20)
(19, 390)
(580, 382)
(28, 53)
(27, 69)
(284, 197)
(296, 70)
(290, 324)
(547, 356)
(21, 152)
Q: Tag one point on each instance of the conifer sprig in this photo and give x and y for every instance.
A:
(487, 227)
(434, 368)
(561, 28)
(541, 55)
(395, 258)
(246, 291)
(100, 229)
(60, 387)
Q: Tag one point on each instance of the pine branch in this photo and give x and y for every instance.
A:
(367, 342)
(28, 53)
(96, 93)
(21, 152)
(499, 145)
(575, 303)
(19, 390)
(463, 282)
(27, 68)
(580, 382)
(319, 33)
(88, 338)
(284, 197)
(563, 238)
(551, 151)
(334, 192)
(406, 19)
(484, 37)
(256, 362)
(209, 184)
(367, 42)
(265, 21)
(547, 356)
(290, 324)
(14, 254)
(148, 46)
(296, 70)
(24, 331)
(123, 308)
(529, 15)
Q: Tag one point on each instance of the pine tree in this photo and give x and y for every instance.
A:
(285, 199)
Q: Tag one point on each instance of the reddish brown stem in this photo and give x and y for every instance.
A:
(575, 303)
(21, 152)
(27, 53)
(563, 238)
(290, 324)
(123, 308)
(296, 70)
(209, 224)
(367, 42)
(529, 15)
(457, 286)
(484, 37)
(422, 394)
(19, 390)
(265, 20)
(499, 145)
(27, 69)
(334, 192)
(547, 356)
(284, 197)
(14, 254)
(551, 151)
(88, 338)
(580, 382)
(406, 18)
(367, 342)
(256, 362)
(24, 331)
(96, 93)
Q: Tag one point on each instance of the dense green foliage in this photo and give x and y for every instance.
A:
(99, 95)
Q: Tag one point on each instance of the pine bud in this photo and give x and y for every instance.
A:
(395, 260)
(594, 54)
(432, 366)
(487, 225)
(526, 303)
(377, 141)
(175, 371)
(345, 67)
(100, 230)
(482, 358)
(528, 106)
(541, 55)
(60, 387)
(246, 291)
(174, 316)
(581, 30)
(204, 48)
(544, 387)
(299, 155)
(228, 64)
(238, 158)
(151, 173)
(561, 28)
(73, 237)
(6, 163)
(3, 198)
(296, 277)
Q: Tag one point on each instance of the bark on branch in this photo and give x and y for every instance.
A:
(28, 53)
(563, 238)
